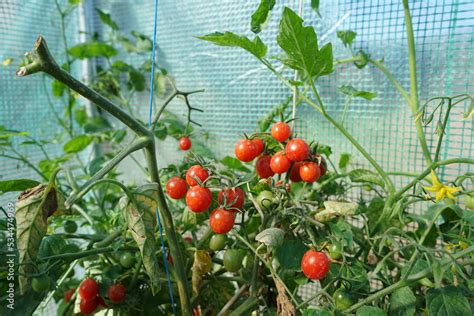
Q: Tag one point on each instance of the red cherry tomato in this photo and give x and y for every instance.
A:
(88, 288)
(295, 172)
(176, 188)
(281, 131)
(259, 145)
(280, 163)
(245, 150)
(263, 167)
(221, 221)
(198, 199)
(68, 295)
(309, 172)
(184, 143)
(89, 305)
(196, 172)
(188, 239)
(315, 264)
(297, 150)
(116, 293)
(234, 198)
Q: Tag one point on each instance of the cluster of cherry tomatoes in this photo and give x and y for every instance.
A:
(296, 157)
(89, 294)
(199, 198)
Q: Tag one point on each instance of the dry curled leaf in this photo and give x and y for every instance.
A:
(202, 265)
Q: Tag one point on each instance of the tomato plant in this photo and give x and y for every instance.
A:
(293, 217)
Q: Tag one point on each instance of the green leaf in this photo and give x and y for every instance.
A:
(57, 88)
(347, 37)
(92, 49)
(191, 218)
(344, 160)
(367, 176)
(80, 115)
(315, 6)
(300, 44)
(144, 43)
(234, 163)
(77, 144)
(136, 80)
(260, 15)
(271, 237)
(7, 133)
(370, 311)
(141, 222)
(33, 208)
(289, 254)
(17, 185)
(96, 124)
(106, 19)
(278, 110)
(447, 301)
(255, 47)
(47, 166)
(353, 92)
(316, 312)
(403, 302)
(74, 2)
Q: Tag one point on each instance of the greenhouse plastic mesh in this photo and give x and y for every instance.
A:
(239, 90)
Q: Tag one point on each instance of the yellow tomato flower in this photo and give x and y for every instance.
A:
(7, 62)
(440, 189)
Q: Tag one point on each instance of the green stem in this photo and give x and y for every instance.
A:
(405, 282)
(427, 171)
(348, 60)
(413, 81)
(441, 136)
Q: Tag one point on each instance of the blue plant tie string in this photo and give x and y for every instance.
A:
(150, 114)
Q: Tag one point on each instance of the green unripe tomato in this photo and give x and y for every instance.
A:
(233, 259)
(70, 227)
(40, 284)
(343, 299)
(335, 251)
(265, 199)
(217, 242)
(469, 201)
(127, 260)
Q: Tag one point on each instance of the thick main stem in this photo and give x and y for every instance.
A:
(42, 60)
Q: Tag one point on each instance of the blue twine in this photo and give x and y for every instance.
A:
(150, 114)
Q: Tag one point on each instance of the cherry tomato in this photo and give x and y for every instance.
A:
(68, 295)
(198, 199)
(184, 143)
(217, 242)
(263, 167)
(309, 172)
(88, 289)
(196, 172)
(259, 145)
(343, 299)
(127, 260)
(335, 251)
(41, 284)
(221, 221)
(245, 150)
(234, 198)
(176, 188)
(280, 163)
(297, 150)
(281, 131)
(89, 305)
(233, 259)
(295, 172)
(116, 293)
(315, 264)
(70, 227)
(265, 199)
